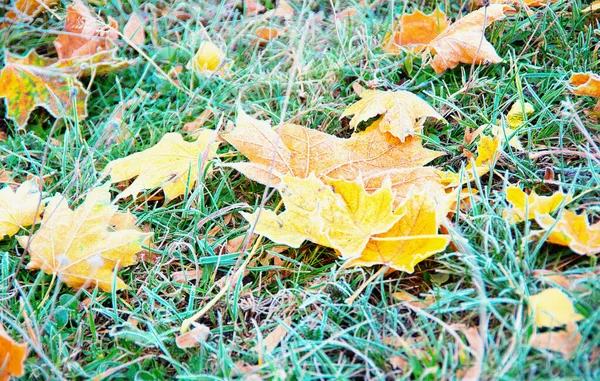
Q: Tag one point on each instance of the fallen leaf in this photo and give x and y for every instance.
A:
(415, 30)
(398, 362)
(411, 300)
(563, 342)
(592, 7)
(105, 61)
(473, 372)
(83, 33)
(464, 41)
(253, 7)
(337, 214)
(194, 128)
(585, 84)
(134, 29)
(12, 357)
(283, 10)
(209, 59)
(487, 153)
(266, 34)
(402, 112)
(299, 151)
(552, 308)
(26, 10)
(529, 3)
(567, 281)
(186, 276)
(572, 230)
(273, 339)
(20, 208)
(516, 115)
(172, 164)
(193, 338)
(526, 207)
(79, 246)
(30, 81)
(413, 238)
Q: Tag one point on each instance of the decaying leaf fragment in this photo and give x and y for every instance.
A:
(526, 207)
(336, 213)
(172, 164)
(464, 40)
(83, 33)
(80, 246)
(20, 208)
(299, 151)
(12, 356)
(585, 84)
(31, 81)
(552, 308)
(413, 238)
(402, 112)
(572, 230)
(25, 10)
(415, 30)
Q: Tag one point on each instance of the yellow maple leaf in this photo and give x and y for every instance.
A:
(209, 59)
(572, 230)
(78, 245)
(552, 308)
(464, 40)
(12, 356)
(336, 213)
(585, 84)
(171, 164)
(487, 153)
(299, 151)
(20, 208)
(526, 207)
(413, 238)
(402, 112)
(414, 30)
(592, 7)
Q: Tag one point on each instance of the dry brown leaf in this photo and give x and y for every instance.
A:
(186, 276)
(402, 112)
(464, 41)
(564, 342)
(299, 151)
(26, 10)
(134, 29)
(12, 356)
(193, 338)
(84, 34)
(473, 372)
(273, 339)
(412, 300)
(399, 363)
(283, 10)
(193, 128)
(253, 7)
(567, 281)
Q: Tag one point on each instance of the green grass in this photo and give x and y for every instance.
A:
(131, 334)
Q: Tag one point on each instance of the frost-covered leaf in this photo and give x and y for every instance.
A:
(20, 208)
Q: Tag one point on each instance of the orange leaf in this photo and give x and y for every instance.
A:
(464, 41)
(299, 151)
(415, 29)
(265, 34)
(412, 239)
(572, 230)
(84, 34)
(585, 84)
(79, 245)
(25, 10)
(12, 357)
